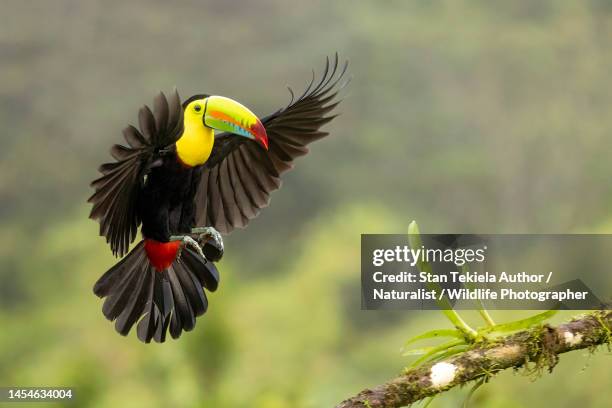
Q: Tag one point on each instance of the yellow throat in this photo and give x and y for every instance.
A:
(195, 144)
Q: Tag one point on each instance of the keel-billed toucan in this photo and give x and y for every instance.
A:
(185, 183)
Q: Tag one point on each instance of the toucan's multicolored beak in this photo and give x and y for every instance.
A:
(225, 114)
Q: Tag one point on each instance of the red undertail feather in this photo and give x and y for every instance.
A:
(161, 254)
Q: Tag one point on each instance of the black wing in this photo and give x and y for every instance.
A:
(114, 201)
(240, 175)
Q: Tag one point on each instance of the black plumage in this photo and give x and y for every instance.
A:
(134, 291)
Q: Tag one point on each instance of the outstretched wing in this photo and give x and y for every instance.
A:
(114, 201)
(240, 175)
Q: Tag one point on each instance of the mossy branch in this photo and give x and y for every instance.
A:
(537, 348)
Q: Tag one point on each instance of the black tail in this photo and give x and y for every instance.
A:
(136, 292)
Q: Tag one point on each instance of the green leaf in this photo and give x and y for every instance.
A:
(432, 334)
(429, 401)
(468, 398)
(451, 352)
(417, 351)
(435, 350)
(519, 324)
(481, 309)
(414, 239)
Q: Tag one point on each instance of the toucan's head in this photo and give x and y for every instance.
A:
(225, 114)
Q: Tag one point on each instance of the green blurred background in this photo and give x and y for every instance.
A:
(469, 116)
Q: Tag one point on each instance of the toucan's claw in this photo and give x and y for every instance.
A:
(188, 241)
(206, 241)
(211, 241)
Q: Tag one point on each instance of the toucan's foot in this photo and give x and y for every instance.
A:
(188, 241)
(211, 241)
(209, 234)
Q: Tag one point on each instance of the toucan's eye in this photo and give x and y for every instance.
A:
(197, 108)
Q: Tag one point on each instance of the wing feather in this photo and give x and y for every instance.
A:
(116, 190)
(239, 177)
